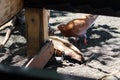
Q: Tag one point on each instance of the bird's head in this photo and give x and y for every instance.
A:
(61, 27)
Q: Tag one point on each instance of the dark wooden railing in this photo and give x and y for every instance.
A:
(101, 7)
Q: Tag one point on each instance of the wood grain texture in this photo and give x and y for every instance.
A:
(41, 59)
(9, 8)
(37, 29)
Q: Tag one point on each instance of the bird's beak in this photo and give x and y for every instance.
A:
(57, 29)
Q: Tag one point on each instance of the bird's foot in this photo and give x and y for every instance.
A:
(85, 42)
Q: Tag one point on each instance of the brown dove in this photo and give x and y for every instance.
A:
(78, 27)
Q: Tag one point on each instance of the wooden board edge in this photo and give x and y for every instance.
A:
(41, 59)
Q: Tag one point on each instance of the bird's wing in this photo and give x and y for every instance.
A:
(79, 28)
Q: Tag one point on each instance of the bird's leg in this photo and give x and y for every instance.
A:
(85, 39)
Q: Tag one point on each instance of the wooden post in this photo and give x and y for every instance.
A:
(37, 29)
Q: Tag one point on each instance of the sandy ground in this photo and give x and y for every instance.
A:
(102, 53)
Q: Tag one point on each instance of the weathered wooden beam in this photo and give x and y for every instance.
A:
(37, 29)
(41, 59)
(101, 7)
(8, 9)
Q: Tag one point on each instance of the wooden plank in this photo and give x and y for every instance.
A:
(100, 7)
(41, 59)
(9, 8)
(37, 29)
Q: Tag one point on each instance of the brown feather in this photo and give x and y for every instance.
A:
(75, 27)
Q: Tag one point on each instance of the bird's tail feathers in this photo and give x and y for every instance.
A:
(91, 18)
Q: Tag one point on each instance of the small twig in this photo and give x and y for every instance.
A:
(6, 37)
(8, 25)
